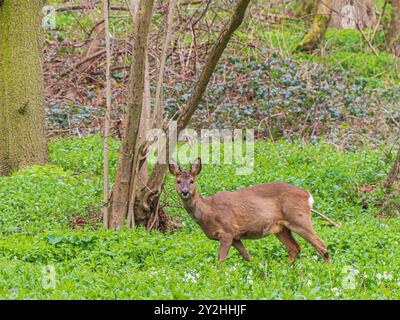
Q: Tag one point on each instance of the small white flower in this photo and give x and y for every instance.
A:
(188, 277)
(249, 277)
(309, 282)
(387, 276)
(378, 276)
(233, 268)
(354, 272)
(336, 291)
(315, 258)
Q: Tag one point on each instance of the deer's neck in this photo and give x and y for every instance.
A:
(196, 207)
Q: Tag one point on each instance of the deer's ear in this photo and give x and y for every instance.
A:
(174, 168)
(196, 167)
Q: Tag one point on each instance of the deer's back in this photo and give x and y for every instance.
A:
(256, 211)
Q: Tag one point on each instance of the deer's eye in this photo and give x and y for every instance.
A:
(191, 181)
(178, 181)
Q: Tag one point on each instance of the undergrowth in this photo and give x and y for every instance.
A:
(38, 241)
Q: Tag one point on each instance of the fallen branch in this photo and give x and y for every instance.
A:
(88, 6)
(95, 55)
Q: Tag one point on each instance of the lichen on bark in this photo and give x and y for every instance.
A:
(315, 35)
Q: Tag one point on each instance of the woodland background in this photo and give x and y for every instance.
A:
(326, 115)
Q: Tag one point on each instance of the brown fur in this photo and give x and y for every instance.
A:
(252, 213)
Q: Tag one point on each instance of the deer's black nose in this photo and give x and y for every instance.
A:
(185, 192)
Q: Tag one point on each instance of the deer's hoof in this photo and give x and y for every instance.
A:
(247, 258)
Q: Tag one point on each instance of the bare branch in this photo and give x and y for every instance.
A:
(108, 109)
(158, 111)
(211, 63)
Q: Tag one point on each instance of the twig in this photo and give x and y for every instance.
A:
(335, 224)
(366, 39)
(379, 21)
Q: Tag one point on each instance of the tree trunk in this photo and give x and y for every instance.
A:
(394, 175)
(393, 34)
(22, 138)
(143, 204)
(127, 165)
(94, 47)
(347, 13)
(147, 202)
(318, 28)
(141, 174)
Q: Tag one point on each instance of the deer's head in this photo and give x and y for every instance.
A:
(185, 181)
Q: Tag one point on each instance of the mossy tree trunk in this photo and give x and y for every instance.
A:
(393, 33)
(22, 138)
(318, 28)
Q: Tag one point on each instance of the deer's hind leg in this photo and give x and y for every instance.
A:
(304, 228)
(285, 236)
(239, 246)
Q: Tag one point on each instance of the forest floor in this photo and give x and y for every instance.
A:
(52, 244)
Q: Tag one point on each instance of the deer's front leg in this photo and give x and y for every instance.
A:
(225, 241)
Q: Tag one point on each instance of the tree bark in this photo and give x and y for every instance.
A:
(95, 46)
(394, 175)
(393, 34)
(121, 198)
(347, 13)
(22, 137)
(145, 121)
(318, 28)
(147, 201)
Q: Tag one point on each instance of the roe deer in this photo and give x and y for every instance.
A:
(252, 213)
